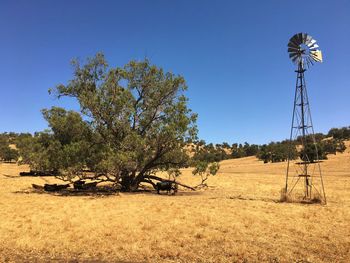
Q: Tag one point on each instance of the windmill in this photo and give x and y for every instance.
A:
(303, 177)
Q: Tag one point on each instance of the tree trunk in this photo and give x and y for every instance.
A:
(130, 183)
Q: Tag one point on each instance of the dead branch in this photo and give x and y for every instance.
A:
(165, 180)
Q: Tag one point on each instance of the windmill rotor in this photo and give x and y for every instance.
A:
(304, 50)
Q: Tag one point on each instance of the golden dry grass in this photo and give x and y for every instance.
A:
(238, 219)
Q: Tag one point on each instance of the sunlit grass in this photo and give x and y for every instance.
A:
(237, 219)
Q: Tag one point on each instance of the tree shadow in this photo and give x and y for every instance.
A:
(101, 191)
(7, 176)
(151, 191)
(97, 191)
(277, 201)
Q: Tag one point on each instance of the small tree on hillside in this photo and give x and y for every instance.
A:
(340, 133)
(277, 152)
(6, 153)
(204, 170)
(332, 146)
(3, 145)
(310, 154)
(9, 155)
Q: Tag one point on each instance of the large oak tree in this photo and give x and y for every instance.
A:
(133, 122)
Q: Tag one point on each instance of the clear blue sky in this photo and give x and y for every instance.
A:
(233, 55)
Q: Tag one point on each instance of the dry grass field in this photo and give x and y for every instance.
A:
(237, 219)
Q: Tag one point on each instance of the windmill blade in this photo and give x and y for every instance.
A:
(314, 46)
(314, 59)
(307, 62)
(292, 49)
(293, 42)
(294, 38)
(308, 40)
(316, 55)
(292, 56)
(291, 45)
(300, 37)
(312, 62)
(305, 35)
(312, 42)
(296, 58)
(319, 56)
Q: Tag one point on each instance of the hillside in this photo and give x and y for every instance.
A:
(237, 219)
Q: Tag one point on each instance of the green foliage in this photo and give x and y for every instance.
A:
(340, 146)
(246, 150)
(204, 169)
(69, 146)
(332, 146)
(277, 152)
(214, 168)
(200, 168)
(137, 123)
(219, 152)
(340, 133)
(312, 152)
(210, 153)
(9, 155)
(3, 143)
(6, 153)
(309, 138)
(237, 151)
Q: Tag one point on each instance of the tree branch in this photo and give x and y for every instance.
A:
(165, 180)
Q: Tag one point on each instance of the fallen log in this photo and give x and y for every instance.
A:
(165, 180)
(89, 186)
(38, 173)
(55, 187)
(81, 185)
(38, 187)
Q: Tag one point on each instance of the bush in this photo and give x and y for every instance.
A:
(277, 152)
(7, 154)
(313, 152)
(340, 133)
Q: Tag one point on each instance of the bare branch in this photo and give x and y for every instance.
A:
(165, 180)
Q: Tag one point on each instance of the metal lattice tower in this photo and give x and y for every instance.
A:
(304, 177)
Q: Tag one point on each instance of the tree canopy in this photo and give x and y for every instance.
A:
(134, 121)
